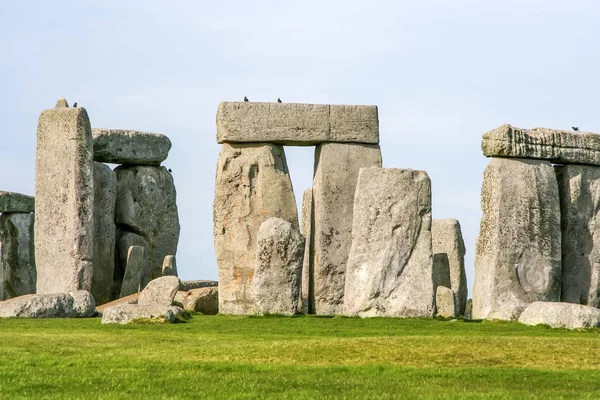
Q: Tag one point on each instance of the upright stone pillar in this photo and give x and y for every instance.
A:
(252, 185)
(306, 229)
(64, 201)
(336, 173)
(518, 254)
(17, 260)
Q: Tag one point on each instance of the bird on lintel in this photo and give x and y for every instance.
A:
(246, 99)
(278, 100)
(575, 128)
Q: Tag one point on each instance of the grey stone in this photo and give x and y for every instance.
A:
(277, 275)
(560, 315)
(336, 174)
(159, 291)
(124, 241)
(203, 300)
(131, 299)
(579, 188)
(307, 294)
(64, 202)
(147, 206)
(126, 313)
(119, 146)
(441, 270)
(542, 143)
(518, 254)
(79, 304)
(17, 258)
(105, 197)
(446, 238)
(296, 124)
(196, 284)
(252, 185)
(136, 273)
(390, 266)
(84, 304)
(469, 309)
(445, 302)
(16, 202)
(169, 266)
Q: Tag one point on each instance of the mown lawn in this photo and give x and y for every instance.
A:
(295, 358)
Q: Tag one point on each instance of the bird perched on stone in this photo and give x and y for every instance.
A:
(75, 105)
(278, 100)
(575, 128)
(246, 99)
(170, 171)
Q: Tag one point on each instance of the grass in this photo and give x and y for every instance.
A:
(296, 358)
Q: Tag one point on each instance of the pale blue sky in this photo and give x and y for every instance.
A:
(441, 72)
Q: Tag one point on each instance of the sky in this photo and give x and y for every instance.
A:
(441, 73)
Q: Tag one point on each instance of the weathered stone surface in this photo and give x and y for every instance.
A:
(197, 284)
(307, 294)
(159, 291)
(126, 313)
(390, 265)
(542, 143)
(469, 309)
(252, 185)
(296, 124)
(203, 300)
(147, 206)
(78, 304)
(518, 255)
(136, 273)
(16, 202)
(17, 258)
(336, 174)
(64, 202)
(169, 266)
(119, 146)
(124, 241)
(131, 299)
(105, 197)
(445, 302)
(579, 188)
(61, 103)
(560, 315)
(279, 257)
(446, 238)
(441, 270)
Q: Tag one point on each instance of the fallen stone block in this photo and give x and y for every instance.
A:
(126, 313)
(159, 291)
(445, 302)
(296, 124)
(560, 315)
(78, 304)
(196, 284)
(16, 202)
(203, 300)
(119, 146)
(131, 299)
(17, 258)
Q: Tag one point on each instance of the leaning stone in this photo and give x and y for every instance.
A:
(126, 313)
(445, 302)
(252, 185)
(579, 188)
(64, 202)
(518, 254)
(560, 315)
(118, 146)
(306, 228)
(105, 197)
(131, 299)
(189, 285)
(16, 202)
(159, 291)
(446, 238)
(136, 271)
(169, 266)
(544, 144)
(390, 264)
(17, 258)
(279, 256)
(336, 174)
(296, 124)
(61, 305)
(147, 205)
(202, 300)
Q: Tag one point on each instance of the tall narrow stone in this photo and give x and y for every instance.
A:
(390, 266)
(306, 229)
(336, 174)
(579, 187)
(17, 260)
(136, 271)
(124, 241)
(169, 267)
(518, 254)
(447, 239)
(105, 197)
(252, 185)
(64, 201)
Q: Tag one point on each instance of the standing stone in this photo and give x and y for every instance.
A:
(16, 202)
(147, 206)
(252, 185)
(136, 272)
(279, 257)
(390, 264)
(169, 266)
(306, 228)
(17, 259)
(336, 174)
(445, 302)
(64, 201)
(446, 238)
(105, 197)
(124, 241)
(579, 188)
(441, 270)
(518, 255)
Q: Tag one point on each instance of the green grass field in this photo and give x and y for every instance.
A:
(295, 358)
